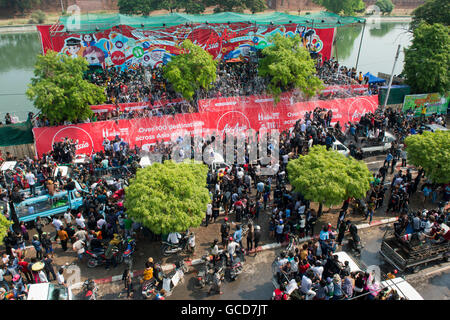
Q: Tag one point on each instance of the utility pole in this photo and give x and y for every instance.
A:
(390, 80)
(62, 7)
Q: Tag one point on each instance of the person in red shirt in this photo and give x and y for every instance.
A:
(304, 265)
(23, 265)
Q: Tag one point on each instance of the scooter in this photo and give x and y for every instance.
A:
(168, 248)
(90, 289)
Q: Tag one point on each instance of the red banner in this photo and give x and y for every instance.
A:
(127, 47)
(235, 115)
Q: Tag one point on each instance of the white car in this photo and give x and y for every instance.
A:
(48, 291)
(434, 127)
(339, 147)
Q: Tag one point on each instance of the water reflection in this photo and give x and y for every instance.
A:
(345, 41)
(18, 51)
(381, 30)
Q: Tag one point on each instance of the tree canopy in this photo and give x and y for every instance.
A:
(19, 5)
(431, 151)
(432, 11)
(328, 177)
(427, 60)
(4, 226)
(346, 7)
(289, 65)
(168, 197)
(59, 91)
(386, 6)
(192, 70)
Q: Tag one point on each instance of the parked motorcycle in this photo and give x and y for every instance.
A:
(90, 289)
(169, 248)
(205, 275)
(129, 250)
(97, 258)
(235, 268)
(151, 287)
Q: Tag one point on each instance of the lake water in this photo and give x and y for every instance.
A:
(18, 53)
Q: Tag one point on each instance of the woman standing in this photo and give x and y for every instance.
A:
(250, 237)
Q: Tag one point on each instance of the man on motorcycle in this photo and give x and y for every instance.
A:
(174, 238)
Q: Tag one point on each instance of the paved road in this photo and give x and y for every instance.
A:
(254, 283)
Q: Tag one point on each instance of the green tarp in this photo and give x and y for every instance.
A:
(15, 134)
(97, 22)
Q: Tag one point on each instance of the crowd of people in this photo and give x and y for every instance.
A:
(240, 78)
(237, 190)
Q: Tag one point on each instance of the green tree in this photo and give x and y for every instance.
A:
(432, 11)
(169, 197)
(19, 5)
(289, 65)
(386, 6)
(193, 6)
(4, 226)
(346, 7)
(431, 151)
(192, 70)
(328, 177)
(59, 91)
(37, 17)
(144, 7)
(427, 60)
(237, 5)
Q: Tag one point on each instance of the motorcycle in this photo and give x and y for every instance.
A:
(90, 289)
(235, 268)
(129, 250)
(97, 257)
(205, 275)
(151, 287)
(169, 248)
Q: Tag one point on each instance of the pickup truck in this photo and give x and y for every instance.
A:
(410, 256)
(371, 147)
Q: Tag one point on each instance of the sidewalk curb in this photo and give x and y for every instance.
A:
(270, 246)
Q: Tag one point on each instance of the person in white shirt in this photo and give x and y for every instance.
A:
(174, 238)
(68, 217)
(101, 222)
(208, 213)
(57, 223)
(231, 248)
(80, 221)
(306, 287)
(60, 277)
(318, 269)
(31, 179)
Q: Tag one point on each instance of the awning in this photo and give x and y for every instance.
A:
(374, 79)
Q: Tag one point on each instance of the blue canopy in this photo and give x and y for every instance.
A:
(373, 79)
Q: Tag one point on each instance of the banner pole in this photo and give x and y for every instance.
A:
(390, 80)
(360, 45)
